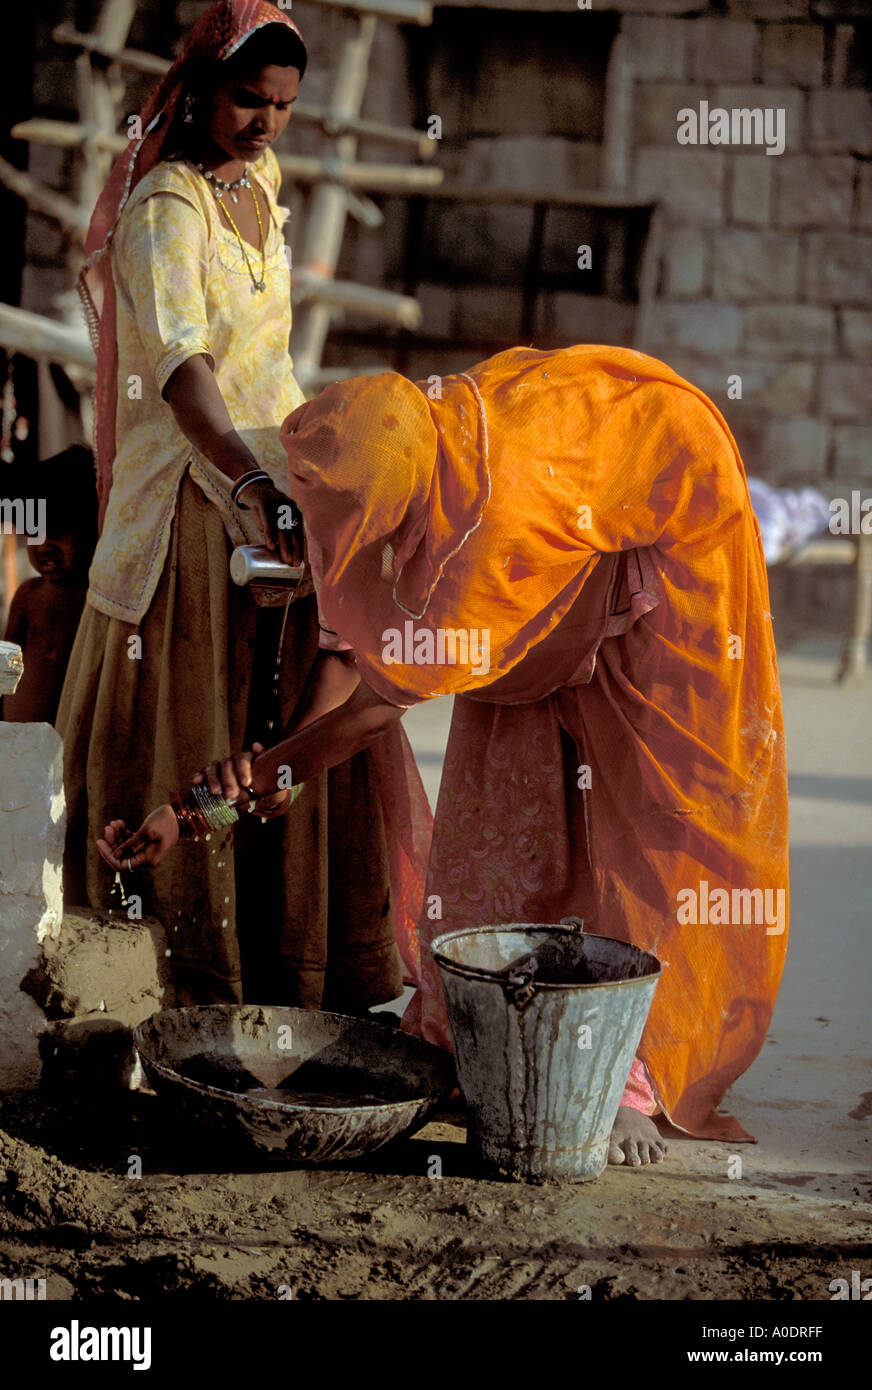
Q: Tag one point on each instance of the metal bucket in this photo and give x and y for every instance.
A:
(546, 1021)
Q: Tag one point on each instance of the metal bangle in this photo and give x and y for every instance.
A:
(214, 809)
(198, 812)
(191, 820)
(254, 475)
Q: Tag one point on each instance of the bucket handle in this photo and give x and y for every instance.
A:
(519, 988)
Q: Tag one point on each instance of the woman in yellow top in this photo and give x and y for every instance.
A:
(188, 286)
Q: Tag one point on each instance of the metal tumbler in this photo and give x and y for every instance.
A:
(254, 564)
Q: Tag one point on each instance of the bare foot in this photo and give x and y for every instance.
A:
(635, 1139)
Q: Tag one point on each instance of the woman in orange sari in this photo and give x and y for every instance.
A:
(564, 541)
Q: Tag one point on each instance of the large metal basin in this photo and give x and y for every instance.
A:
(298, 1085)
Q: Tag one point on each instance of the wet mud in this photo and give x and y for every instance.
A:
(125, 1201)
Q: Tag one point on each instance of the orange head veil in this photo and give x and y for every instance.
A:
(426, 515)
(481, 505)
(383, 518)
(217, 34)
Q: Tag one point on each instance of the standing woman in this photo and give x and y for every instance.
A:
(187, 288)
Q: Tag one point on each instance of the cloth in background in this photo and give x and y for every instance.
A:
(788, 517)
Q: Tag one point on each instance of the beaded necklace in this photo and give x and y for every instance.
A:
(225, 187)
(257, 286)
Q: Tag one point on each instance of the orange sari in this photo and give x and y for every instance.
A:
(619, 754)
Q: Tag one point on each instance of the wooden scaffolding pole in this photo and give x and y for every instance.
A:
(100, 92)
(71, 216)
(400, 11)
(44, 339)
(369, 177)
(328, 210)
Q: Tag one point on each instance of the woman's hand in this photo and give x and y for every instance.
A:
(232, 779)
(150, 844)
(272, 806)
(266, 501)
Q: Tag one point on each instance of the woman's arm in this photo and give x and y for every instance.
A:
(202, 415)
(329, 740)
(332, 679)
(308, 749)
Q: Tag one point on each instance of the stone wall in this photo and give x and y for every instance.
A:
(520, 101)
(32, 823)
(766, 269)
(72, 984)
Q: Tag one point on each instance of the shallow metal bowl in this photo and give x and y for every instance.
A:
(297, 1085)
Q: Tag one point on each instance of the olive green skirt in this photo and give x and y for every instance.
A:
(293, 911)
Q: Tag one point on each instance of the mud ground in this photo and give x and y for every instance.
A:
(792, 1218)
(384, 1229)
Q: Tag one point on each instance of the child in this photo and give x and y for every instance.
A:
(44, 613)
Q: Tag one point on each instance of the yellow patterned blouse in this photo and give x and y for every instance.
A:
(183, 288)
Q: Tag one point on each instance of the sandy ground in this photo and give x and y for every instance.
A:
(796, 1218)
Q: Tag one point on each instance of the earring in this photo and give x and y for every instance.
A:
(189, 109)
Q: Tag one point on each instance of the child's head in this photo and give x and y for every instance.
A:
(63, 494)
